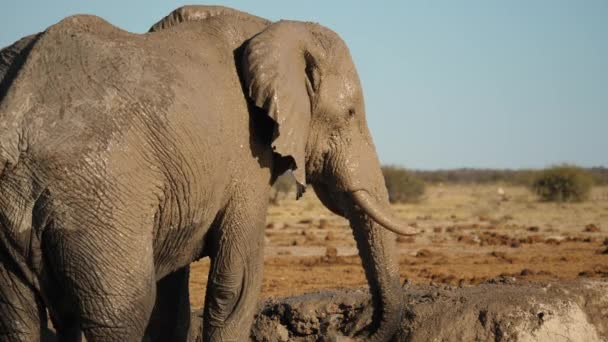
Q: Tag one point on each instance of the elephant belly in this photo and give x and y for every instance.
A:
(179, 240)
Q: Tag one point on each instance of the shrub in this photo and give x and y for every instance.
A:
(600, 175)
(402, 185)
(283, 185)
(563, 183)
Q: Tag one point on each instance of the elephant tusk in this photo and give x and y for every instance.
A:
(380, 215)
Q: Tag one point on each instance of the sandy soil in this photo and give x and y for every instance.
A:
(468, 234)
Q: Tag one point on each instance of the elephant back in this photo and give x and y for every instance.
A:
(202, 13)
(12, 58)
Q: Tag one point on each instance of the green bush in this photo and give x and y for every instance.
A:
(402, 185)
(563, 183)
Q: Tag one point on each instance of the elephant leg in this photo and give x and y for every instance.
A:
(234, 285)
(22, 313)
(115, 317)
(64, 318)
(170, 320)
(69, 332)
(118, 307)
(107, 279)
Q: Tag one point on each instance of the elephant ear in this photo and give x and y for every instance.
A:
(276, 66)
(199, 13)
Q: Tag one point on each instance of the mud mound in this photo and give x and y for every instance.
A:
(495, 311)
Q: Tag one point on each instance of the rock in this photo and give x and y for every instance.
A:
(527, 272)
(331, 253)
(553, 241)
(534, 239)
(592, 228)
(515, 243)
(282, 333)
(468, 239)
(424, 253)
(406, 239)
(310, 236)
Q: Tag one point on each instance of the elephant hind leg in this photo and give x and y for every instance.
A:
(22, 313)
(109, 285)
(114, 304)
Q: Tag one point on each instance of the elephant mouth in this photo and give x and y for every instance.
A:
(380, 214)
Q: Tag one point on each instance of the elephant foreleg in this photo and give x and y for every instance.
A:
(170, 320)
(234, 285)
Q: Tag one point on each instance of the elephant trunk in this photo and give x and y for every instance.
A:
(376, 247)
(361, 196)
(371, 221)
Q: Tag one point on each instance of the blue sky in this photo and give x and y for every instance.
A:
(497, 84)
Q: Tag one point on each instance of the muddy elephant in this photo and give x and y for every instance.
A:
(125, 157)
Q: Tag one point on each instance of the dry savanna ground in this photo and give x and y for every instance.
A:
(468, 235)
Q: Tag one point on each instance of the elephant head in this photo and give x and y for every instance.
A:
(303, 77)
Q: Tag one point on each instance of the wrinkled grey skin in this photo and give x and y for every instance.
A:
(125, 157)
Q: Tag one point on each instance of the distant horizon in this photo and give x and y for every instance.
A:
(473, 84)
(496, 168)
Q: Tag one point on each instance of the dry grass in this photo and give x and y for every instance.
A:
(467, 234)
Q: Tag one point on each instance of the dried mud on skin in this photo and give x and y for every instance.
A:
(494, 311)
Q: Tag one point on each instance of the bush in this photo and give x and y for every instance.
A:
(600, 175)
(563, 183)
(283, 185)
(402, 185)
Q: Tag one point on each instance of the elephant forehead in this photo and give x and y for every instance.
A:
(341, 89)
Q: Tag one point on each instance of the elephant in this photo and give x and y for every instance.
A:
(125, 157)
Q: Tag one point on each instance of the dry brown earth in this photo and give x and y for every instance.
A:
(468, 234)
